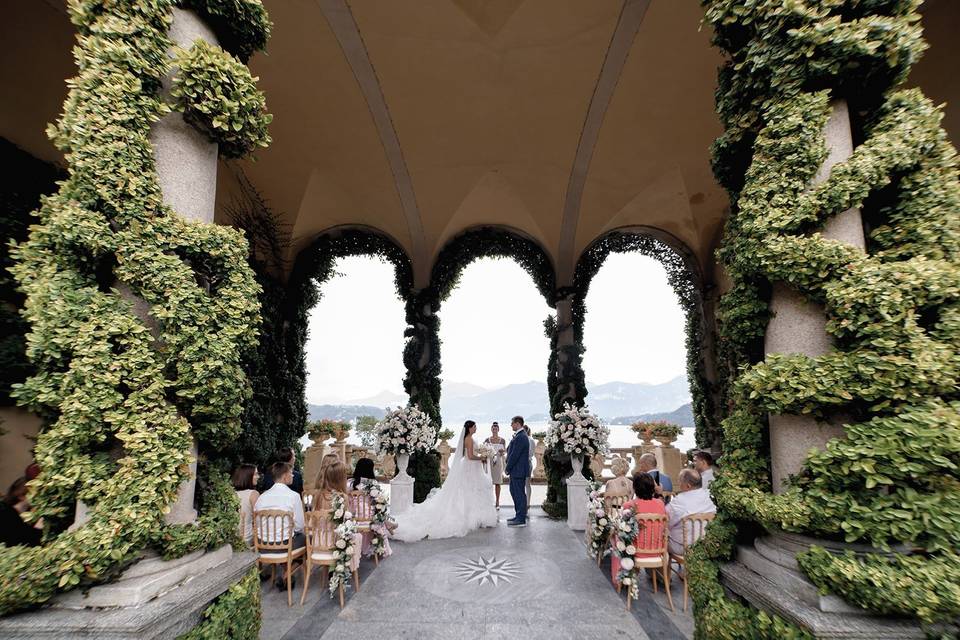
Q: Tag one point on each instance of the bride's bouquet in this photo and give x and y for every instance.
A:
(405, 430)
(484, 451)
(578, 432)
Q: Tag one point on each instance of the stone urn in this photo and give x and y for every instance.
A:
(666, 440)
(646, 435)
(576, 461)
(403, 459)
(340, 435)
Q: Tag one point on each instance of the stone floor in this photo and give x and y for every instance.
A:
(531, 583)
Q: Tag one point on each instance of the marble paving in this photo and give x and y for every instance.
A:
(534, 582)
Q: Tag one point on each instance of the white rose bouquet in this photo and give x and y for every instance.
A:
(345, 548)
(484, 451)
(405, 430)
(598, 524)
(578, 432)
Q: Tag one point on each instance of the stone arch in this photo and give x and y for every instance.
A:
(685, 276)
(492, 241)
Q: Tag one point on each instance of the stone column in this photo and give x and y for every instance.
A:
(798, 326)
(186, 163)
(445, 449)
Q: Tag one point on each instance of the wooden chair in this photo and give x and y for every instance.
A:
(321, 541)
(612, 505)
(270, 527)
(311, 498)
(652, 553)
(696, 525)
(361, 507)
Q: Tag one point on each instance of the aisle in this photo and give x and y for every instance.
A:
(535, 582)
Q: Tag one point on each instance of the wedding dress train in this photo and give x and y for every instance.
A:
(463, 503)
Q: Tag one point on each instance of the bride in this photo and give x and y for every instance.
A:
(461, 505)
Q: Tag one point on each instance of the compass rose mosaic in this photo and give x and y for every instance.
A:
(487, 570)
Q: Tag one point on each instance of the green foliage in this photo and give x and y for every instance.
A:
(23, 181)
(235, 614)
(893, 311)
(366, 430)
(242, 26)
(928, 589)
(217, 94)
(122, 393)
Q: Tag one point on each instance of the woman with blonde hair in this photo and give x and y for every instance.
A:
(619, 485)
(333, 480)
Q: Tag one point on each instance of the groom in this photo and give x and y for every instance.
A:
(518, 468)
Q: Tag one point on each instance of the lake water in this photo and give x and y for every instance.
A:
(620, 435)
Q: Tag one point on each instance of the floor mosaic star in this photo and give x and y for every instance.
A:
(483, 570)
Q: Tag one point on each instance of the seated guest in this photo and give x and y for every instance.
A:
(703, 463)
(363, 471)
(327, 460)
(620, 485)
(14, 530)
(645, 502)
(281, 496)
(334, 480)
(648, 464)
(244, 480)
(692, 498)
(285, 455)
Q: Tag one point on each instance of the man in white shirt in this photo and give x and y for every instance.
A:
(281, 496)
(691, 498)
(703, 463)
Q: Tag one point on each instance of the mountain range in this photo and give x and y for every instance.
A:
(612, 401)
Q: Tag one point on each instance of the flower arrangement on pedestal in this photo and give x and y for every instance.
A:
(445, 434)
(381, 514)
(579, 433)
(345, 548)
(403, 431)
(627, 529)
(659, 430)
(598, 524)
(323, 429)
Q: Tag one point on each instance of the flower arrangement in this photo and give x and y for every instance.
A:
(539, 435)
(345, 548)
(381, 514)
(598, 525)
(659, 429)
(328, 429)
(627, 529)
(579, 432)
(405, 430)
(484, 451)
(445, 434)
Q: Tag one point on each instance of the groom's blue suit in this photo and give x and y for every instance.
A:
(518, 468)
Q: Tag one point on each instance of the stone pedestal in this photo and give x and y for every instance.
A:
(312, 458)
(539, 473)
(401, 494)
(170, 614)
(577, 502)
(670, 460)
(445, 450)
(767, 575)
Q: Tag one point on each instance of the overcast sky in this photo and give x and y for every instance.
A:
(491, 329)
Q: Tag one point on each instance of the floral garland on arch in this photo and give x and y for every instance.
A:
(345, 548)
(627, 529)
(579, 432)
(599, 526)
(381, 514)
(405, 430)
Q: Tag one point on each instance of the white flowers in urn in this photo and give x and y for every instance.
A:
(405, 430)
(579, 432)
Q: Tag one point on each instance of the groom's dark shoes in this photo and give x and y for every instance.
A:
(513, 522)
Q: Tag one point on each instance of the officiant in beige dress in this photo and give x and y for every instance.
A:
(499, 446)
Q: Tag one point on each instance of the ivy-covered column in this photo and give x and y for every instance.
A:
(799, 325)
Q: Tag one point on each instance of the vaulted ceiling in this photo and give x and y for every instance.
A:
(561, 119)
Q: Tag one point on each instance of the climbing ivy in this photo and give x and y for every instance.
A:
(235, 614)
(122, 390)
(894, 311)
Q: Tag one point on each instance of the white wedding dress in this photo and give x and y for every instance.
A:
(464, 503)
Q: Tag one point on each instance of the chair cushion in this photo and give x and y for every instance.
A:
(648, 562)
(321, 556)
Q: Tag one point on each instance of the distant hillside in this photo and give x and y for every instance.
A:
(346, 412)
(682, 416)
(462, 401)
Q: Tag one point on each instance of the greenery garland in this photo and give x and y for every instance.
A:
(22, 184)
(120, 410)
(894, 310)
(235, 614)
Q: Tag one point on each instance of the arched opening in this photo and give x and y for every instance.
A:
(680, 273)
